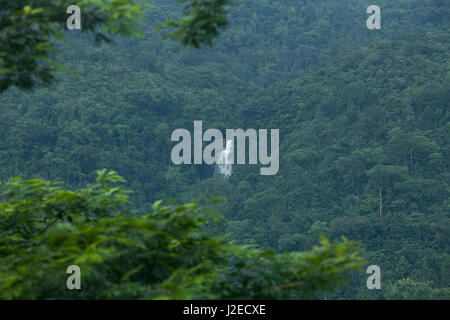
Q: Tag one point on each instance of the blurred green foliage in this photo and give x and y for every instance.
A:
(29, 28)
(359, 111)
(167, 254)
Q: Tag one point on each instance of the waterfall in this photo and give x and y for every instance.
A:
(224, 159)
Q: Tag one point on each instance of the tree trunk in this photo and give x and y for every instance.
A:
(381, 202)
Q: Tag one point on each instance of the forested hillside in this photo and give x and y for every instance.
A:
(364, 119)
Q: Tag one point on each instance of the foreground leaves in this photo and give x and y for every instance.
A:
(28, 30)
(166, 254)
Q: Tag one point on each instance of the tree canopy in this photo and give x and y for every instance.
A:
(166, 254)
(363, 118)
(29, 30)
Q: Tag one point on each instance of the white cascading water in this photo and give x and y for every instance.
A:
(224, 161)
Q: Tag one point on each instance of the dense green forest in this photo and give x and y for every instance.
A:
(364, 119)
